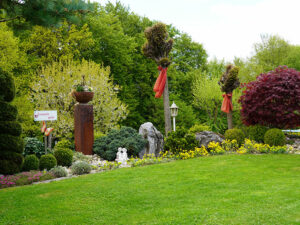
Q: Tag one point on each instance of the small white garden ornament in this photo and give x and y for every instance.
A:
(122, 157)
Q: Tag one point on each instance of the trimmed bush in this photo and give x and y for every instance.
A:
(59, 171)
(80, 167)
(64, 143)
(107, 147)
(47, 162)
(34, 146)
(63, 156)
(275, 137)
(9, 167)
(10, 127)
(179, 141)
(7, 90)
(257, 133)
(197, 128)
(31, 162)
(235, 134)
(13, 156)
(11, 143)
(7, 112)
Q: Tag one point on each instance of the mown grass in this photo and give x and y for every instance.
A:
(231, 189)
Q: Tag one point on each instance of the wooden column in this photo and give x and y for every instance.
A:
(84, 128)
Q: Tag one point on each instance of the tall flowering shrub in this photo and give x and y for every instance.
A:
(273, 99)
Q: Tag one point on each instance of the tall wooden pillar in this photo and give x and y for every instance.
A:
(84, 128)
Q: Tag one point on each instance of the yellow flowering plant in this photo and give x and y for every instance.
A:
(215, 148)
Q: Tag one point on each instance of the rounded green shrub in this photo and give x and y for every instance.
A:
(235, 134)
(9, 167)
(47, 162)
(275, 137)
(12, 156)
(64, 143)
(11, 143)
(7, 90)
(31, 162)
(63, 156)
(34, 146)
(59, 171)
(180, 140)
(7, 112)
(80, 167)
(10, 127)
(107, 147)
(197, 128)
(257, 133)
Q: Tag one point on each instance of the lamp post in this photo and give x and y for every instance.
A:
(174, 113)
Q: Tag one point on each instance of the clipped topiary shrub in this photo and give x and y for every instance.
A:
(257, 133)
(11, 144)
(64, 143)
(235, 134)
(34, 146)
(80, 167)
(107, 147)
(31, 162)
(275, 137)
(47, 162)
(63, 156)
(197, 128)
(180, 140)
(59, 171)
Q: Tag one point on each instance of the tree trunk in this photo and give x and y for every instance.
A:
(229, 120)
(167, 113)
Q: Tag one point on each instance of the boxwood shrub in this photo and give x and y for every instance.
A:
(107, 146)
(47, 162)
(63, 156)
(31, 162)
(10, 127)
(257, 133)
(7, 90)
(11, 143)
(7, 112)
(275, 137)
(235, 134)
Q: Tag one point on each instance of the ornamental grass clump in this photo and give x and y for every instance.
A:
(59, 171)
(79, 168)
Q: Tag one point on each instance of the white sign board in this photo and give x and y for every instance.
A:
(45, 115)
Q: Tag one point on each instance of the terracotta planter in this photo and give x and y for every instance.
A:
(83, 96)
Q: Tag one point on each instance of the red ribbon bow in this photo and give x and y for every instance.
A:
(160, 82)
(227, 104)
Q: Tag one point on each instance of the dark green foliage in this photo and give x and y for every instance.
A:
(229, 80)
(10, 127)
(275, 137)
(59, 171)
(63, 156)
(7, 112)
(235, 134)
(180, 140)
(79, 168)
(12, 156)
(47, 162)
(11, 143)
(158, 46)
(7, 90)
(257, 133)
(8, 167)
(107, 147)
(31, 162)
(34, 146)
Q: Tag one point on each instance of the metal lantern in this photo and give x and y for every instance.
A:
(174, 113)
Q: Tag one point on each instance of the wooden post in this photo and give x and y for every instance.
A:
(168, 127)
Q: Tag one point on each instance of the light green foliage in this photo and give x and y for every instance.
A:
(275, 137)
(47, 162)
(59, 171)
(54, 83)
(199, 128)
(235, 134)
(79, 168)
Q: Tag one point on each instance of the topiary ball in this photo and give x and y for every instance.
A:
(47, 162)
(257, 133)
(7, 90)
(275, 137)
(10, 127)
(235, 134)
(11, 143)
(31, 162)
(7, 112)
(63, 156)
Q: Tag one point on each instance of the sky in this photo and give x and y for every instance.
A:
(226, 28)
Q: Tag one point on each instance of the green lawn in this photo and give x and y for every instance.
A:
(231, 189)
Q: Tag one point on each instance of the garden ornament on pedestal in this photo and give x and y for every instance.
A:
(158, 48)
(228, 82)
(122, 157)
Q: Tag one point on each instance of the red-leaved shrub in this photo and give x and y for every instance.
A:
(273, 99)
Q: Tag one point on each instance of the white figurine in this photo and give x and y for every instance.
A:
(122, 156)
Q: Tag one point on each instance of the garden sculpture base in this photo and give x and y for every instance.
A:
(84, 129)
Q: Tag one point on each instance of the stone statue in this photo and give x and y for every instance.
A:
(122, 157)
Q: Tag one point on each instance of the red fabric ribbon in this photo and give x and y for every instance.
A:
(227, 104)
(160, 82)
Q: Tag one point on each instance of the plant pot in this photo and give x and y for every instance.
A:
(83, 96)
